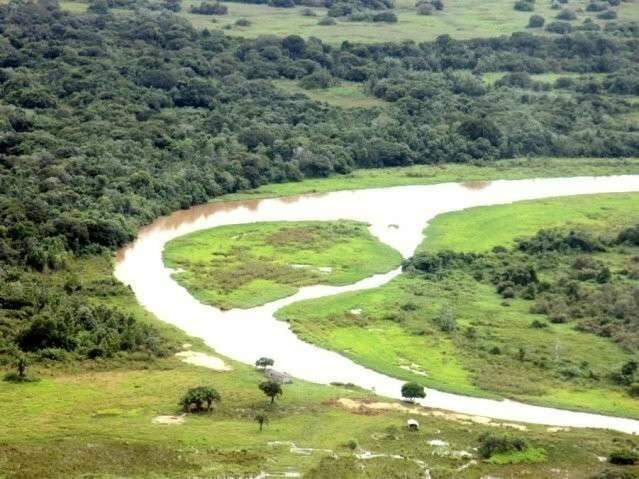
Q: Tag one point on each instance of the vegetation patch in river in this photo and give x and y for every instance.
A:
(242, 266)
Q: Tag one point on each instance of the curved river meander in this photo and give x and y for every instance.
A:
(245, 335)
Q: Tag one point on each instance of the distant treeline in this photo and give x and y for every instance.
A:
(109, 121)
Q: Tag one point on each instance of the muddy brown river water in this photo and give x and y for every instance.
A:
(397, 216)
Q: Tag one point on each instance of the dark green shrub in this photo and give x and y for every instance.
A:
(567, 14)
(524, 6)
(607, 15)
(387, 17)
(199, 399)
(633, 390)
(623, 457)
(491, 443)
(326, 21)
(561, 28)
(536, 21)
(412, 391)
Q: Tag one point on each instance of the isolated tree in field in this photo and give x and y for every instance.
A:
(271, 389)
(21, 362)
(200, 398)
(536, 21)
(261, 418)
(264, 363)
(411, 391)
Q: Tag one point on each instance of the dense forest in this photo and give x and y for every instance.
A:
(108, 120)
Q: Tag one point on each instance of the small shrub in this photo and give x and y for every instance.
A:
(199, 399)
(425, 9)
(536, 21)
(633, 390)
(445, 320)
(387, 17)
(53, 354)
(207, 8)
(351, 444)
(408, 307)
(307, 12)
(13, 377)
(242, 22)
(412, 391)
(537, 324)
(524, 6)
(607, 15)
(326, 21)
(491, 443)
(264, 362)
(623, 457)
(561, 28)
(597, 6)
(567, 14)
(261, 418)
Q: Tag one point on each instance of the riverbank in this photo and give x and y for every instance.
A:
(101, 423)
(514, 169)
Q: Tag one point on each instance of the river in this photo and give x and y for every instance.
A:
(397, 216)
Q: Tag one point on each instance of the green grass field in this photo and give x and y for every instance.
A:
(480, 229)
(100, 425)
(400, 316)
(242, 266)
(461, 19)
(345, 95)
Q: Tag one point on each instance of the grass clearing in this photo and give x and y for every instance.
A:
(481, 229)
(462, 19)
(491, 77)
(68, 426)
(530, 455)
(242, 266)
(345, 95)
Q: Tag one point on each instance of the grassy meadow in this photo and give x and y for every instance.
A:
(462, 19)
(481, 229)
(400, 316)
(101, 423)
(242, 266)
(346, 94)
